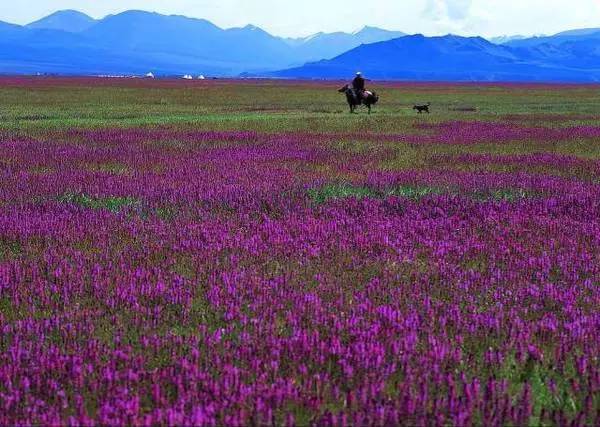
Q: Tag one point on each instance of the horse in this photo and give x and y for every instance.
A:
(369, 98)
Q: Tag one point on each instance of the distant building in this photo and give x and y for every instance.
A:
(188, 77)
(201, 77)
(150, 76)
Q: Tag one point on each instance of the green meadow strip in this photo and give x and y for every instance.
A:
(343, 191)
(113, 204)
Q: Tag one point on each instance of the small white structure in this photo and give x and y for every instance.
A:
(188, 77)
(150, 76)
(201, 77)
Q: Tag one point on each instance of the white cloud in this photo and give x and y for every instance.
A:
(454, 10)
(449, 16)
(458, 9)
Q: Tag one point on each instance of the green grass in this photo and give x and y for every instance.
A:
(342, 191)
(113, 204)
(9, 248)
(539, 377)
(339, 191)
(109, 168)
(336, 191)
(280, 106)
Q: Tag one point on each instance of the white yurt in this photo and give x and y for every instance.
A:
(188, 77)
(201, 77)
(150, 75)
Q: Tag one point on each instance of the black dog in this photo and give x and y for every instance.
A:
(422, 108)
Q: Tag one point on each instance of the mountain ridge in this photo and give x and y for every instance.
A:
(64, 20)
(448, 57)
(328, 45)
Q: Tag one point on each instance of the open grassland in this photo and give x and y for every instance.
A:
(247, 252)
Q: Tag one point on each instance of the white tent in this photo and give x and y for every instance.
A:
(150, 76)
(201, 77)
(187, 77)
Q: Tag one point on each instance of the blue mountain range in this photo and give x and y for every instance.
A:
(134, 42)
(453, 58)
(137, 42)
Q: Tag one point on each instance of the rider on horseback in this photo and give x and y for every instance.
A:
(356, 95)
(358, 84)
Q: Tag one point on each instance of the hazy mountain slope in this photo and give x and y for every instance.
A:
(152, 33)
(64, 20)
(329, 45)
(558, 39)
(580, 32)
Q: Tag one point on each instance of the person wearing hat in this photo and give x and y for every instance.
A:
(358, 84)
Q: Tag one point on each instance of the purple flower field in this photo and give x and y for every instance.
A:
(442, 273)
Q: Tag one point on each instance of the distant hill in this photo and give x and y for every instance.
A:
(442, 58)
(580, 32)
(161, 36)
(65, 20)
(30, 51)
(329, 45)
(139, 42)
(575, 49)
(589, 34)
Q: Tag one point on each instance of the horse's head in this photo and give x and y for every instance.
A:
(344, 89)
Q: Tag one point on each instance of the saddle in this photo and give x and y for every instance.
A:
(362, 95)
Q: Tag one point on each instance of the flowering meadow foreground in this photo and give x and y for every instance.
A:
(248, 253)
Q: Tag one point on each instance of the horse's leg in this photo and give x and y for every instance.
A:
(369, 107)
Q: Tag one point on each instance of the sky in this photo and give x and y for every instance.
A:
(305, 17)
